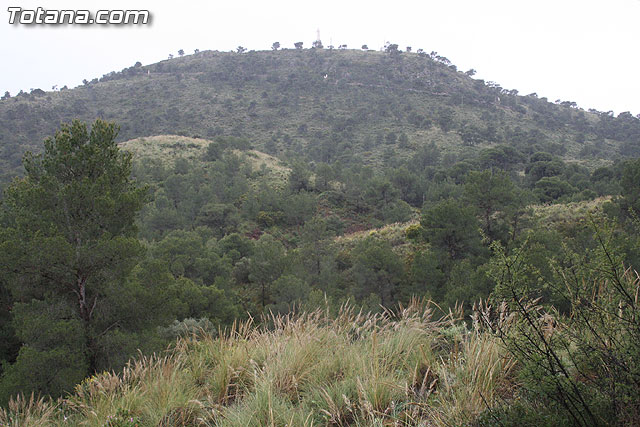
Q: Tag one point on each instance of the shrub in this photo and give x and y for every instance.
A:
(584, 365)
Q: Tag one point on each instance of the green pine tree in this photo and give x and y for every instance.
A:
(68, 241)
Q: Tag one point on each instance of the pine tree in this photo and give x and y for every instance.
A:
(68, 240)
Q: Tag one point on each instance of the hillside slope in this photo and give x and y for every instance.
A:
(326, 105)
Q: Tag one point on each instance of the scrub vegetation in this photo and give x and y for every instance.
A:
(316, 237)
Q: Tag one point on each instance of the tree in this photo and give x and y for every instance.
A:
(490, 191)
(324, 175)
(376, 270)
(427, 155)
(543, 165)
(298, 45)
(502, 157)
(580, 364)
(317, 44)
(365, 47)
(392, 49)
(7, 95)
(471, 135)
(552, 188)
(181, 52)
(445, 119)
(288, 291)
(67, 241)
(425, 277)
(317, 253)
(241, 49)
(266, 265)
(630, 184)
(275, 46)
(299, 177)
(452, 228)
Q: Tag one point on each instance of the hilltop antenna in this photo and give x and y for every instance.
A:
(318, 35)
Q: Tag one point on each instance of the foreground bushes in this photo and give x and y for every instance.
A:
(581, 367)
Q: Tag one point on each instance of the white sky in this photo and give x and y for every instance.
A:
(585, 51)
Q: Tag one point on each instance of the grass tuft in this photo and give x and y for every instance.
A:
(401, 367)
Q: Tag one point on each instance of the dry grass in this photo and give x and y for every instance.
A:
(271, 170)
(400, 368)
(31, 412)
(166, 148)
(395, 234)
(563, 215)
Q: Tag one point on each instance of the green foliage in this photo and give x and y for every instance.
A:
(232, 232)
(288, 292)
(445, 119)
(54, 358)
(523, 414)
(376, 270)
(552, 188)
(299, 178)
(452, 228)
(630, 183)
(502, 157)
(467, 283)
(543, 165)
(426, 277)
(490, 191)
(365, 93)
(266, 265)
(585, 364)
(68, 235)
(189, 327)
(123, 418)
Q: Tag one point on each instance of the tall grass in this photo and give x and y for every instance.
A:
(399, 367)
(31, 411)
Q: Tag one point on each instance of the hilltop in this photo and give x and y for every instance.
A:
(323, 105)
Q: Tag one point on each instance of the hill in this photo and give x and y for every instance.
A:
(323, 105)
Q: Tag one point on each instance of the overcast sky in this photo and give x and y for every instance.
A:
(586, 51)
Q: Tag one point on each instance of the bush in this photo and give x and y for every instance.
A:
(585, 365)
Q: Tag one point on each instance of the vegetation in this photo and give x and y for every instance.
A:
(269, 273)
(309, 369)
(281, 101)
